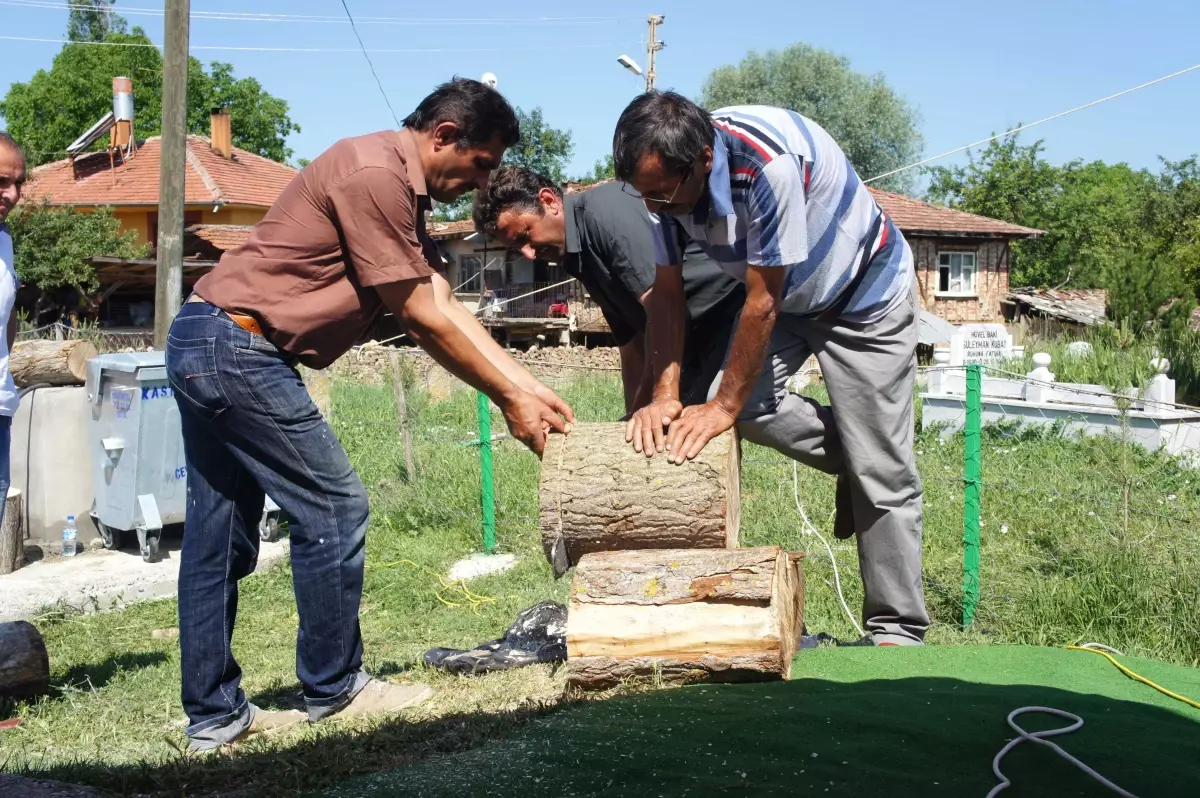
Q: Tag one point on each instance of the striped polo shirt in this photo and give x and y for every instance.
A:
(783, 194)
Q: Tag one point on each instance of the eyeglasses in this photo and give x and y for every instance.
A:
(633, 192)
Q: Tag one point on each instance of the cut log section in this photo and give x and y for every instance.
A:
(12, 534)
(684, 615)
(598, 494)
(24, 666)
(50, 362)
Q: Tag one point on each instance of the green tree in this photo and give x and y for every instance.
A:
(51, 244)
(1141, 288)
(876, 127)
(603, 169)
(57, 105)
(542, 149)
(1094, 214)
(92, 20)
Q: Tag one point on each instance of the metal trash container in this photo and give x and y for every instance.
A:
(136, 445)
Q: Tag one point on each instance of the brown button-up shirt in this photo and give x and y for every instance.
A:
(353, 219)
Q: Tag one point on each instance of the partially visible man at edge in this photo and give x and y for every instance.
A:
(345, 240)
(602, 237)
(12, 180)
(772, 198)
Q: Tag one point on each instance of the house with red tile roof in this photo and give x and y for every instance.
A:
(224, 186)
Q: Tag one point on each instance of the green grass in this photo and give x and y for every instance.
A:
(852, 722)
(1067, 568)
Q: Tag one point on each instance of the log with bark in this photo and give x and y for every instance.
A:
(12, 533)
(24, 666)
(684, 615)
(598, 494)
(50, 362)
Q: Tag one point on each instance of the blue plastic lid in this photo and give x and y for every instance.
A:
(70, 518)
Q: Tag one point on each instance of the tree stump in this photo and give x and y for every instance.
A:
(598, 494)
(50, 362)
(684, 615)
(12, 534)
(24, 666)
(320, 389)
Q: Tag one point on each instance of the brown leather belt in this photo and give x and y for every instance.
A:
(247, 323)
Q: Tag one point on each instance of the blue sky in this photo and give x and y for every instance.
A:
(970, 68)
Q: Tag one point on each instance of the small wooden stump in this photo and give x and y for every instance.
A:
(12, 534)
(50, 362)
(684, 615)
(598, 494)
(24, 665)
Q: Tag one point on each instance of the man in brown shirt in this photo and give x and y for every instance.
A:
(345, 241)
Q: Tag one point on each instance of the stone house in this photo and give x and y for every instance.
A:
(962, 259)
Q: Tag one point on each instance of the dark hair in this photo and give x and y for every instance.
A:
(479, 111)
(6, 138)
(663, 122)
(510, 188)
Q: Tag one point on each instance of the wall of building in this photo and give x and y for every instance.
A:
(991, 278)
(139, 219)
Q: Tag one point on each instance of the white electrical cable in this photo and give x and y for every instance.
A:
(1040, 739)
(257, 16)
(196, 47)
(1018, 129)
(809, 529)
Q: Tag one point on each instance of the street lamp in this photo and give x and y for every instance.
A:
(630, 64)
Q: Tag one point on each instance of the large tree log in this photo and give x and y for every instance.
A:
(50, 362)
(24, 666)
(12, 534)
(598, 494)
(684, 615)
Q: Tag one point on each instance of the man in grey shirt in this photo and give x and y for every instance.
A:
(602, 238)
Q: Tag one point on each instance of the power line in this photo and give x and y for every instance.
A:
(554, 47)
(1034, 124)
(363, 47)
(254, 16)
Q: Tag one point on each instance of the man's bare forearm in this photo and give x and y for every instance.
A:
(435, 332)
(751, 340)
(470, 325)
(633, 370)
(12, 329)
(666, 307)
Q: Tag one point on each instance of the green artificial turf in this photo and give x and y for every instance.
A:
(851, 722)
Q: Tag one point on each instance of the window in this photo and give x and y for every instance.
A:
(956, 273)
(468, 273)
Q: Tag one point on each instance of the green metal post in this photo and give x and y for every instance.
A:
(972, 475)
(487, 486)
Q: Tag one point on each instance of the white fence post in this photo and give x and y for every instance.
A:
(1034, 391)
(1161, 389)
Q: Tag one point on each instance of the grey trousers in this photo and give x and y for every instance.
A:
(865, 433)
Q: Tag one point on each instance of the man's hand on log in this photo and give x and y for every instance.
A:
(696, 426)
(554, 401)
(530, 420)
(645, 428)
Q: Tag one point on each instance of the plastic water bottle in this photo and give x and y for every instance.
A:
(69, 548)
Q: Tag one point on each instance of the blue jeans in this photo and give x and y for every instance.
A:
(249, 426)
(5, 468)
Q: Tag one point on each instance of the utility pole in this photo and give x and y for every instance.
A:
(653, 45)
(169, 276)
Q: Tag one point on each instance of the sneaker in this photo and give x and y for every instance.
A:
(383, 698)
(264, 722)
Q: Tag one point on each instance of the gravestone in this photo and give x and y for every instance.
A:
(980, 343)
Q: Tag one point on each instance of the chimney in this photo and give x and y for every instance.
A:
(122, 132)
(222, 133)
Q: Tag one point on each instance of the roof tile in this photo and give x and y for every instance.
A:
(246, 179)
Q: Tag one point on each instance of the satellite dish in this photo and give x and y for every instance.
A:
(489, 80)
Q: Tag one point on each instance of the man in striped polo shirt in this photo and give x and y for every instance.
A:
(770, 196)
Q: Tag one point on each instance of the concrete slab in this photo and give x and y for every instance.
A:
(95, 581)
